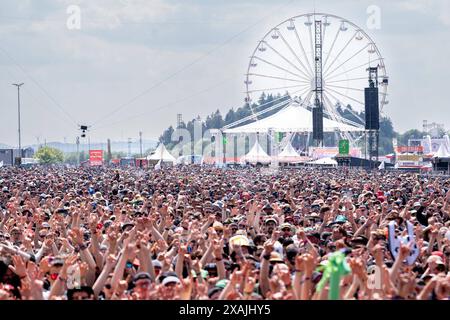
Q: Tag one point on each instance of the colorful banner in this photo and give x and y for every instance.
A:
(409, 157)
(96, 157)
(410, 149)
(329, 152)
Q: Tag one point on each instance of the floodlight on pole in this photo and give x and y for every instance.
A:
(18, 85)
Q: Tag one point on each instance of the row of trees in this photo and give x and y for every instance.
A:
(49, 155)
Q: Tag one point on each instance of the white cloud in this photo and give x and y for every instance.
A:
(438, 8)
(127, 46)
(112, 14)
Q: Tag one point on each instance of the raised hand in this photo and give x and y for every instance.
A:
(196, 266)
(182, 250)
(70, 261)
(111, 260)
(234, 211)
(268, 246)
(301, 235)
(218, 249)
(358, 268)
(19, 267)
(84, 269)
(249, 285)
(211, 218)
(236, 277)
(129, 250)
(276, 235)
(48, 243)
(404, 250)
(76, 235)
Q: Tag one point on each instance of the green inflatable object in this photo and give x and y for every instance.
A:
(333, 269)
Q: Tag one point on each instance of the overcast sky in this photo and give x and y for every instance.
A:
(135, 64)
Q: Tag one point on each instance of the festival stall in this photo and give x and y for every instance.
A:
(290, 156)
(441, 160)
(161, 155)
(256, 155)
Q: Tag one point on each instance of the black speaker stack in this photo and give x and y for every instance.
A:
(372, 109)
(317, 123)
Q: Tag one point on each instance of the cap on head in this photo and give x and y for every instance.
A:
(142, 276)
(170, 280)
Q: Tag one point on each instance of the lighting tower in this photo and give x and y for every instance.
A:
(318, 87)
(18, 85)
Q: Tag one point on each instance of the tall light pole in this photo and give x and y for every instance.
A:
(78, 151)
(140, 141)
(129, 147)
(18, 85)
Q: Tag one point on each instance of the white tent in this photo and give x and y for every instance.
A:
(289, 155)
(257, 155)
(324, 162)
(293, 118)
(382, 166)
(162, 154)
(443, 152)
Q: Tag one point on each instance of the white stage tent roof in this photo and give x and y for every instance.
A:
(162, 154)
(292, 118)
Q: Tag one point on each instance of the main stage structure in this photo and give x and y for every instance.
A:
(315, 68)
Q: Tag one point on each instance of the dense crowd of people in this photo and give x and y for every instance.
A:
(203, 233)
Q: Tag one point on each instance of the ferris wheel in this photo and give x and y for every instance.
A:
(283, 63)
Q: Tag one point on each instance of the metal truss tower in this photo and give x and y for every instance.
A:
(318, 87)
